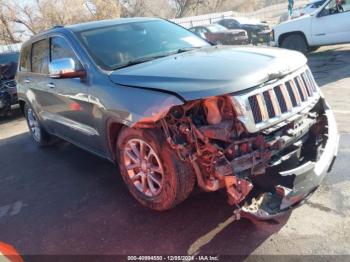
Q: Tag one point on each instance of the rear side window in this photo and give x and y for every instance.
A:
(61, 49)
(25, 59)
(40, 57)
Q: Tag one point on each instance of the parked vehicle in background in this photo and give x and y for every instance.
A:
(220, 35)
(172, 110)
(309, 8)
(258, 32)
(329, 25)
(8, 90)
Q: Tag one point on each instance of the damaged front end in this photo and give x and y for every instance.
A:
(268, 154)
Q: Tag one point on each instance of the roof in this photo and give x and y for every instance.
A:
(109, 22)
(89, 25)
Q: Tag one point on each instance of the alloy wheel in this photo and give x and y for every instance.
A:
(33, 125)
(144, 167)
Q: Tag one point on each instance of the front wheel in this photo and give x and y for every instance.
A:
(153, 172)
(295, 42)
(38, 133)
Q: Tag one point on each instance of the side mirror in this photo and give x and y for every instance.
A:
(65, 68)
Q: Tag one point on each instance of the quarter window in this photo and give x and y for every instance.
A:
(40, 57)
(25, 59)
(61, 49)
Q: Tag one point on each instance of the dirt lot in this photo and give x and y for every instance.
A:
(63, 200)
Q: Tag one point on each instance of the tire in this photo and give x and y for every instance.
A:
(175, 177)
(295, 42)
(40, 136)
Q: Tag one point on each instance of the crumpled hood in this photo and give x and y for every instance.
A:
(211, 71)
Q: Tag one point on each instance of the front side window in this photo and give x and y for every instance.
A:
(61, 49)
(40, 57)
(336, 7)
(114, 46)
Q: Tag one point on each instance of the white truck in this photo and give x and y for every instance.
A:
(328, 25)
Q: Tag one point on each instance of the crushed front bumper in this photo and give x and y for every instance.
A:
(307, 178)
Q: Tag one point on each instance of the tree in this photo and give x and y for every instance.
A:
(8, 35)
(185, 6)
(104, 9)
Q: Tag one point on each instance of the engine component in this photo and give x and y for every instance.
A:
(212, 111)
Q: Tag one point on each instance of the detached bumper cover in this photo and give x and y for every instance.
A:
(307, 176)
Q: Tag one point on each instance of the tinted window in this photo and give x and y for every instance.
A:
(40, 57)
(336, 7)
(61, 49)
(115, 45)
(318, 4)
(8, 58)
(25, 59)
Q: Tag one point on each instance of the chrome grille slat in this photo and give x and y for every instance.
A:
(296, 92)
(255, 109)
(269, 105)
(307, 84)
(291, 93)
(312, 80)
(282, 98)
(282, 103)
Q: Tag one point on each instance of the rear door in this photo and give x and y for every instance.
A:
(39, 94)
(332, 24)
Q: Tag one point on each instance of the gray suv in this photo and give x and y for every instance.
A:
(171, 111)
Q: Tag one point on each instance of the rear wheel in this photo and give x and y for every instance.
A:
(153, 172)
(295, 42)
(38, 133)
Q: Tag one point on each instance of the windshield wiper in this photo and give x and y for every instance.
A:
(186, 49)
(150, 58)
(139, 61)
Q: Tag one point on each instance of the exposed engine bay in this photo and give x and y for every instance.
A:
(223, 154)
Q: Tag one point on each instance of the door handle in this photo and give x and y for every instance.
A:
(51, 85)
(27, 81)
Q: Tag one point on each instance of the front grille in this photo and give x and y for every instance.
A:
(283, 97)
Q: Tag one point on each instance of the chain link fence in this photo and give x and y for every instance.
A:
(269, 14)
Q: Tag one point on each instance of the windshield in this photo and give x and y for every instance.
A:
(114, 46)
(8, 58)
(216, 28)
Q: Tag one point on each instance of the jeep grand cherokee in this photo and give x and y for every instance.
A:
(173, 111)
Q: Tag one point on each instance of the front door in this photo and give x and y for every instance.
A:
(332, 24)
(70, 112)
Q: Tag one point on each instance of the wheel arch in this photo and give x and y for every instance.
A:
(113, 128)
(22, 103)
(284, 35)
